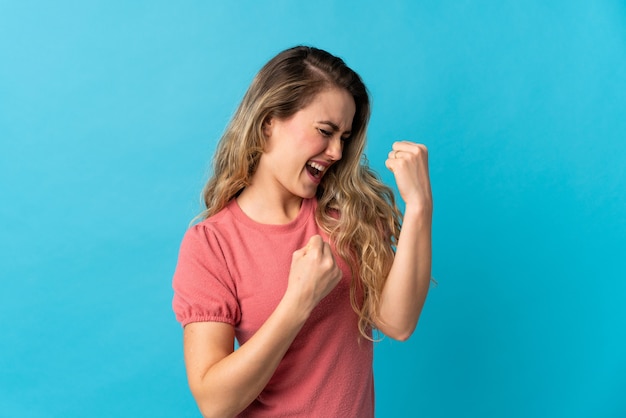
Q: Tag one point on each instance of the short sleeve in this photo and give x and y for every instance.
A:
(204, 290)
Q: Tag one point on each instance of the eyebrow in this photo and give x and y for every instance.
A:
(334, 127)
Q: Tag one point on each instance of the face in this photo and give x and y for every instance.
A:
(302, 148)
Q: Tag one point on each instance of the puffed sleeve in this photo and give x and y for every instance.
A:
(204, 290)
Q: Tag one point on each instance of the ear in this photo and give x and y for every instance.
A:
(267, 126)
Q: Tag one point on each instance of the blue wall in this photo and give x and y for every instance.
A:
(110, 111)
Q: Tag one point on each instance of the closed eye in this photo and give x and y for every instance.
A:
(333, 128)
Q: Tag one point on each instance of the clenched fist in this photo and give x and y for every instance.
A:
(314, 273)
(409, 163)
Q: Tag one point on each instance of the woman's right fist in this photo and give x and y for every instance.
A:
(314, 273)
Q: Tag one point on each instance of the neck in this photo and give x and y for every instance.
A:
(269, 207)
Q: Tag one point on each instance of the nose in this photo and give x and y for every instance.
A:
(335, 148)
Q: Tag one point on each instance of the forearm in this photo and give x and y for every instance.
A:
(231, 384)
(407, 284)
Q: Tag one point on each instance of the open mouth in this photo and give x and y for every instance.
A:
(315, 169)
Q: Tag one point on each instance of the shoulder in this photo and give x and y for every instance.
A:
(207, 232)
(221, 220)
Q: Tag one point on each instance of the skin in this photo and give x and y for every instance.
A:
(224, 381)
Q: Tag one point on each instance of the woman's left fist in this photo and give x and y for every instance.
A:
(409, 163)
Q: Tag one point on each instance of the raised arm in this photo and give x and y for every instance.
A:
(225, 381)
(406, 287)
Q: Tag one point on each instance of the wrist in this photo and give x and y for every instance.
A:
(294, 308)
(422, 212)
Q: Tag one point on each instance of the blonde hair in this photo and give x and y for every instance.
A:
(354, 207)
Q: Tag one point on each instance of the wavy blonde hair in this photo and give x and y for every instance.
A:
(354, 207)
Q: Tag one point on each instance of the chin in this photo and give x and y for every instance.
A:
(308, 193)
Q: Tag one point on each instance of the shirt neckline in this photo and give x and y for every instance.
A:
(306, 209)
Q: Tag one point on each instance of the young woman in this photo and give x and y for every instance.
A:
(300, 255)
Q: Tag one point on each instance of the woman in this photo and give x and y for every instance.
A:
(300, 255)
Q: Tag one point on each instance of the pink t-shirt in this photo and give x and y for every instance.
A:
(232, 269)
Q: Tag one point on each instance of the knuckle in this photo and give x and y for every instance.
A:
(328, 263)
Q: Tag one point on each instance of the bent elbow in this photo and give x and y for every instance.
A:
(401, 336)
(209, 407)
(398, 333)
(210, 410)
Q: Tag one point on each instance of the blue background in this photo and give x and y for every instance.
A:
(110, 112)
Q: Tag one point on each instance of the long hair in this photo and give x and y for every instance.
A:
(354, 207)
